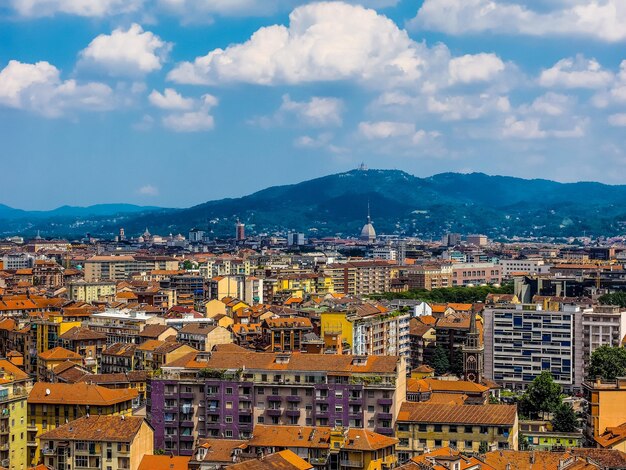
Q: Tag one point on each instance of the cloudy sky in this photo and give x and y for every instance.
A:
(174, 102)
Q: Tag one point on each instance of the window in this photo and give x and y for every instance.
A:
(274, 391)
(229, 405)
(338, 409)
(370, 394)
(82, 461)
(452, 428)
(469, 429)
(260, 391)
(438, 428)
(309, 392)
(339, 394)
(229, 390)
(260, 419)
(437, 442)
(370, 409)
(228, 419)
(422, 428)
(294, 392)
(468, 445)
(263, 377)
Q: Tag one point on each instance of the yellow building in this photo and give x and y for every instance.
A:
(83, 291)
(111, 442)
(14, 387)
(51, 404)
(606, 406)
(299, 285)
(336, 323)
(48, 360)
(47, 330)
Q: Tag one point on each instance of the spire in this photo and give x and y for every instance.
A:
(472, 328)
(369, 219)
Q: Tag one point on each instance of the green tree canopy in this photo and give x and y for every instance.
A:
(542, 396)
(607, 363)
(439, 360)
(616, 298)
(448, 294)
(564, 418)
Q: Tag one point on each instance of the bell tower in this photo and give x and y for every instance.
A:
(473, 353)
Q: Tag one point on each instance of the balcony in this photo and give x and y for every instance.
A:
(294, 399)
(186, 438)
(321, 461)
(294, 413)
(275, 398)
(186, 424)
(385, 416)
(4, 446)
(31, 428)
(245, 411)
(31, 443)
(384, 430)
(274, 412)
(187, 395)
(384, 401)
(351, 463)
(47, 451)
(4, 430)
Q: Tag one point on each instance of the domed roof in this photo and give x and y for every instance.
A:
(368, 233)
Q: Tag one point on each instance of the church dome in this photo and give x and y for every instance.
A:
(368, 234)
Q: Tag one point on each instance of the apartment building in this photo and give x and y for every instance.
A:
(285, 334)
(426, 276)
(87, 343)
(83, 291)
(370, 329)
(51, 404)
(464, 274)
(603, 325)
(14, 442)
(325, 447)
(226, 392)
(362, 277)
(98, 442)
(422, 426)
(122, 326)
(606, 408)
(202, 336)
(119, 268)
(530, 266)
(522, 340)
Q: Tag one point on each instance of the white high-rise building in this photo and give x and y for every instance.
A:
(523, 340)
(604, 325)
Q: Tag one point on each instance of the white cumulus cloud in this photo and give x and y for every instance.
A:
(38, 87)
(577, 72)
(324, 41)
(475, 68)
(126, 52)
(600, 19)
(197, 120)
(170, 99)
(385, 129)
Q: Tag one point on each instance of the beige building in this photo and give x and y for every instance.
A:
(362, 277)
(105, 442)
(203, 337)
(118, 268)
(469, 428)
(83, 291)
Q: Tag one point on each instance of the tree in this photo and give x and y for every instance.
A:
(542, 396)
(456, 362)
(607, 363)
(564, 418)
(616, 298)
(188, 265)
(439, 360)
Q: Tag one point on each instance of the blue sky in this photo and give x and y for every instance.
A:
(175, 102)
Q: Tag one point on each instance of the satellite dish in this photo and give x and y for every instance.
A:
(48, 392)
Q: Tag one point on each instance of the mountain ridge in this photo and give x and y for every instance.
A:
(401, 203)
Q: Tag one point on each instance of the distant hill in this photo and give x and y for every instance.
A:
(400, 203)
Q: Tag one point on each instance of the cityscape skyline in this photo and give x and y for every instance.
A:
(179, 95)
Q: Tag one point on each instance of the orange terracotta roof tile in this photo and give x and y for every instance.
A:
(59, 354)
(500, 415)
(78, 394)
(164, 462)
(97, 428)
